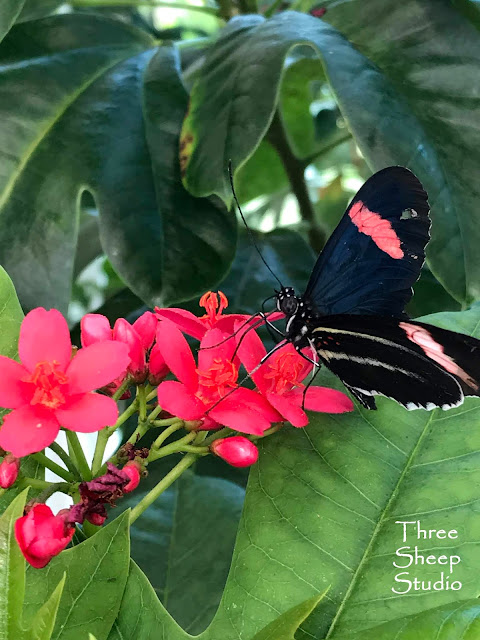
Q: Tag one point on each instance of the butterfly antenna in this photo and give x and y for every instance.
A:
(230, 175)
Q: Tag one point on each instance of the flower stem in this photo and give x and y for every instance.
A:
(152, 495)
(155, 412)
(35, 483)
(157, 452)
(100, 445)
(218, 434)
(142, 402)
(65, 458)
(42, 459)
(79, 455)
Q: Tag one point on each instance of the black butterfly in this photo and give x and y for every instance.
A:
(352, 312)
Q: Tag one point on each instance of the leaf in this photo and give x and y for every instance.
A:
(12, 571)
(9, 11)
(11, 317)
(44, 620)
(426, 116)
(454, 621)
(285, 626)
(97, 571)
(262, 174)
(425, 119)
(34, 9)
(86, 130)
(151, 621)
(178, 543)
(322, 505)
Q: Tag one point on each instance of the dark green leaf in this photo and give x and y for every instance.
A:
(184, 543)
(322, 505)
(285, 626)
(262, 174)
(12, 571)
(9, 11)
(454, 621)
(44, 620)
(34, 9)
(97, 571)
(145, 623)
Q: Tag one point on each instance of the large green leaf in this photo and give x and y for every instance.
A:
(178, 544)
(454, 621)
(9, 11)
(34, 9)
(96, 572)
(44, 621)
(322, 505)
(285, 626)
(86, 130)
(12, 572)
(426, 118)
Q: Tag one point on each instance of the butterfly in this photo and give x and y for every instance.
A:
(352, 313)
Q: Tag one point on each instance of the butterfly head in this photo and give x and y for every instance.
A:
(287, 301)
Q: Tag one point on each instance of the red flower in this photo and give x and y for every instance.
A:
(196, 395)
(50, 388)
(41, 535)
(237, 451)
(279, 379)
(133, 471)
(214, 304)
(9, 470)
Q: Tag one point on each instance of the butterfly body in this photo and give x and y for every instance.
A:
(352, 314)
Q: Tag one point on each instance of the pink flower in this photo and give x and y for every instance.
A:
(199, 390)
(9, 470)
(146, 327)
(133, 471)
(237, 451)
(214, 304)
(41, 535)
(279, 379)
(157, 367)
(50, 389)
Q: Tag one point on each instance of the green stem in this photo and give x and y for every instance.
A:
(218, 434)
(152, 495)
(268, 432)
(272, 8)
(157, 411)
(65, 458)
(35, 483)
(79, 455)
(42, 459)
(142, 403)
(121, 389)
(153, 4)
(133, 408)
(100, 446)
(168, 432)
(173, 447)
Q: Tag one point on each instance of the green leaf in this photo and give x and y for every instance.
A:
(322, 505)
(454, 621)
(97, 571)
(173, 543)
(262, 174)
(151, 621)
(34, 9)
(285, 626)
(12, 571)
(11, 317)
(44, 620)
(426, 116)
(9, 11)
(199, 234)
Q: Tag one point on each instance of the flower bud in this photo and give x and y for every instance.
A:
(237, 451)
(8, 470)
(124, 332)
(41, 535)
(133, 471)
(96, 518)
(146, 327)
(157, 368)
(94, 328)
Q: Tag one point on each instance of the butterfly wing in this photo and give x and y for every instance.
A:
(417, 365)
(375, 254)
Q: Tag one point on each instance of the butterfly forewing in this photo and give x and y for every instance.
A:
(375, 254)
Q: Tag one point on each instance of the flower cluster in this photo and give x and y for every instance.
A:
(55, 385)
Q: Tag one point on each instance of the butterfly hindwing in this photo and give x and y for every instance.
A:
(413, 363)
(375, 254)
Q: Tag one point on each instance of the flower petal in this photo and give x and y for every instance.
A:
(215, 345)
(28, 430)
(97, 365)
(177, 355)
(289, 406)
(184, 320)
(327, 400)
(146, 327)
(94, 328)
(250, 351)
(124, 332)
(256, 402)
(44, 336)
(176, 398)
(243, 419)
(88, 413)
(13, 392)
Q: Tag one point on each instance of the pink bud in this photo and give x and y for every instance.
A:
(9, 471)
(132, 469)
(318, 12)
(237, 451)
(94, 328)
(96, 518)
(124, 332)
(41, 535)
(157, 368)
(146, 326)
